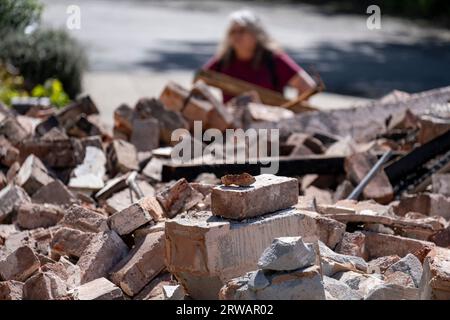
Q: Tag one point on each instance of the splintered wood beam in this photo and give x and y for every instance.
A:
(287, 167)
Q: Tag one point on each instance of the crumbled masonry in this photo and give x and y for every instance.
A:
(86, 212)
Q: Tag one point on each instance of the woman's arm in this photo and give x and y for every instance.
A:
(303, 82)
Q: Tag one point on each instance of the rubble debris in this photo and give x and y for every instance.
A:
(194, 245)
(268, 194)
(339, 290)
(55, 193)
(409, 265)
(71, 242)
(98, 289)
(11, 290)
(44, 286)
(435, 283)
(32, 175)
(441, 184)
(8, 153)
(141, 265)
(35, 215)
(88, 176)
(293, 278)
(126, 197)
(353, 244)
(174, 96)
(379, 188)
(173, 292)
(122, 157)
(287, 253)
(105, 250)
(83, 219)
(10, 197)
(129, 219)
(178, 197)
(19, 265)
(145, 135)
(12, 130)
(240, 180)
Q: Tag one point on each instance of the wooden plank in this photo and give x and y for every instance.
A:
(287, 167)
(235, 87)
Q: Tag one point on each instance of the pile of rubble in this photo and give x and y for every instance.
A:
(90, 214)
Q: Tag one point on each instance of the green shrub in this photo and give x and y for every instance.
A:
(45, 54)
(15, 15)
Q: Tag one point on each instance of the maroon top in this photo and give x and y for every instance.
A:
(283, 66)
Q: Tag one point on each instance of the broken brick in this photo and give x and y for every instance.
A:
(268, 194)
(178, 197)
(379, 188)
(145, 135)
(12, 130)
(353, 244)
(10, 197)
(101, 255)
(98, 289)
(44, 286)
(8, 153)
(11, 290)
(71, 242)
(174, 96)
(55, 193)
(141, 265)
(33, 175)
(34, 215)
(78, 217)
(122, 157)
(19, 265)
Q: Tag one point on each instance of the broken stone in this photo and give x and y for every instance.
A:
(392, 292)
(409, 265)
(122, 157)
(71, 241)
(287, 253)
(11, 290)
(154, 290)
(141, 265)
(70, 114)
(343, 190)
(145, 135)
(101, 255)
(78, 217)
(33, 175)
(379, 188)
(174, 96)
(319, 196)
(98, 289)
(362, 283)
(339, 290)
(431, 127)
(381, 264)
(44, 286)
(304, 284)
(153, 169)
(173, 292)
(204, 251)
(12, 172)
(138, 214)
(197, 109)
(435, 283)
(19, 265)
(34, 215)
(400, 278)
(268, 194)
(112, 186)
(123, 121)
(88, 176)
(10, 197)
(352, 244)
(240, 180)
(424, 203)
(55, 193)
(333, 262)
(441, 184)
(178, 197)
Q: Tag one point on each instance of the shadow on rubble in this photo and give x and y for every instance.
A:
(366, 69)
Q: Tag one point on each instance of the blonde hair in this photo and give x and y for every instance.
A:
(246, 18)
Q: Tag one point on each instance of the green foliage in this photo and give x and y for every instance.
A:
(52, 89)
(15, 15)
(46, 54)
(10, 86)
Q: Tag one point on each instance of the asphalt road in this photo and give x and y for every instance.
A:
(139, 45)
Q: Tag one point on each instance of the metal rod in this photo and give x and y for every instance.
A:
(131, 182)
(364, 182)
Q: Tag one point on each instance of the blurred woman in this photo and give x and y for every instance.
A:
(248, 53)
